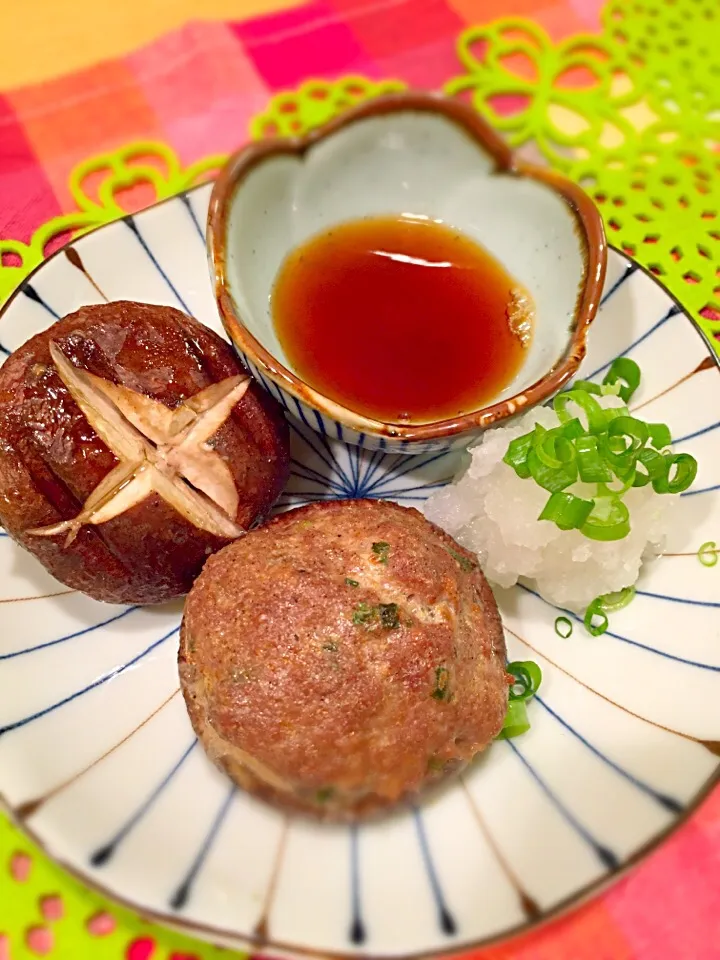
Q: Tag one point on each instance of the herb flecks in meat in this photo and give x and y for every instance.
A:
(466, 565)
(385, 616)
(363, 614)
(442, 680)
(389, 615)
(381, 550)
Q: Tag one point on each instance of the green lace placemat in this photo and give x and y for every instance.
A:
(632, 114)
(46, 912)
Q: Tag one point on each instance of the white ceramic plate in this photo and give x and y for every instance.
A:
(98, 760)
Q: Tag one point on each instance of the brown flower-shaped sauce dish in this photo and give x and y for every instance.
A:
(398, 279)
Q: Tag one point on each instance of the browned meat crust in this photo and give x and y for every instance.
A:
(343, 656)
(51, 458)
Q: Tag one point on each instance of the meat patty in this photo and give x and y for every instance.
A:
(342, 657)
(74, 408)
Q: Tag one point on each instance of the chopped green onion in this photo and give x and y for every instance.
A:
(609, 520)
(627, 373)
(517, 453)
(612, 413)
(640, 479)
(707, 554)
(573, 429)
(603, 446)
(563, 627)
(566, 510)
(516, 721)
(612, 602)
(550, 478)
(660, 436)
(593, 612)
(685, 472)
(601, 606)
(626, 481)
(591, 466)
(616, 455)
(654, 467)
(630, 429)
(554, 450)
(616, 445)
(588, 404)
(552, 460)
(528, 676)
(588, 386)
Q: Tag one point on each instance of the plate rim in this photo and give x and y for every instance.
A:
(218, 935)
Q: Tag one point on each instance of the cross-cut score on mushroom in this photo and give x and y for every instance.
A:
(161, 450)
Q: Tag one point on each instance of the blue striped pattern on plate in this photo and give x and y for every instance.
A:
(98, 760)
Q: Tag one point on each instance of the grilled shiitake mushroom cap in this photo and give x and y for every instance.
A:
(132, 446)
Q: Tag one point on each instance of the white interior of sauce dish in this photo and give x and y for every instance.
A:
(413, 163)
